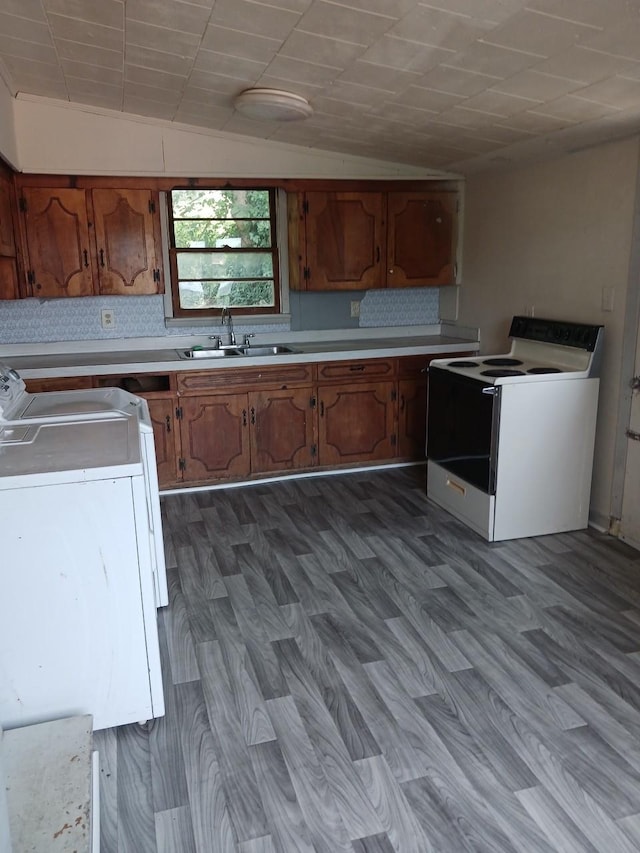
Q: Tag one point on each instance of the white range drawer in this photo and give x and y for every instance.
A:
(467, 503)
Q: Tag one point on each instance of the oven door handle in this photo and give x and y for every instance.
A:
(491, 390)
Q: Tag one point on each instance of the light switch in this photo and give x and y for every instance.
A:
(608, 298)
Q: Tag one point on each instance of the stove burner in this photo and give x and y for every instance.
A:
(502, 362)
(544, 370)
(463, 364)
(502, 372)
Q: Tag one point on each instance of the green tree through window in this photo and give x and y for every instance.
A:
(223, 251)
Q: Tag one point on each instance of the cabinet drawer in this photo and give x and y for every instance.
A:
(367, 368)
(279, 376)
(63, 383)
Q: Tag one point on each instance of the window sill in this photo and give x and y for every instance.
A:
(238, 320)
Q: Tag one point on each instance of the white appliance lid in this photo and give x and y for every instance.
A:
(91, 447)
(54, 404)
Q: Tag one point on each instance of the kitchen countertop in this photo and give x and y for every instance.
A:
(49, 364)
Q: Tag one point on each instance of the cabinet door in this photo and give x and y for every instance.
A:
(281, 429)
(162, 413)
(9, 288)
(356, 422)
(7, 242)
(412, 418)
(57, 234)
(343, 240)
(420, 238)
(126, 251)
(215, 436)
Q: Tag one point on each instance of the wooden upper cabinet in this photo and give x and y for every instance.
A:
(343, 233)
(87, 242)
(7, 241)
(126, 246)
(421, 237)
(58, 245)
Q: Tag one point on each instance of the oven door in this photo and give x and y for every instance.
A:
(462, 427)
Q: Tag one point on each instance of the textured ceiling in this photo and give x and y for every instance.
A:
(457, 85)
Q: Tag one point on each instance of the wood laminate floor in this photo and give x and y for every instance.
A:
(348, 668)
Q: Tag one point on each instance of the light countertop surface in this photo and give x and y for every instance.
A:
(49, 363)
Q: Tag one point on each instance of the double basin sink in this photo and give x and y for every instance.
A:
(234, 352)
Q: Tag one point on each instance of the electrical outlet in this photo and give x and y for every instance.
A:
(107, 318)
(355, 307)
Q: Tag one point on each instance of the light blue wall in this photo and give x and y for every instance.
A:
(41, 320)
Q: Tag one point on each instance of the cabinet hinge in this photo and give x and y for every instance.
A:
(312, 402)
(306, 273)
(314, 449)
(156, 275)
(182, 464)
(394, 395)
(152, 206)
(179, 412)
(22, 204)
(393, 440)
(305, 206)
(31, 277)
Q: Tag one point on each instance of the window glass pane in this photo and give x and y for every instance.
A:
(216, 234)
(218, 294)
(225, 265)
(220, 204)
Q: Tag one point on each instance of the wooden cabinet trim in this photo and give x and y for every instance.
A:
(338, 371)
(279, 376)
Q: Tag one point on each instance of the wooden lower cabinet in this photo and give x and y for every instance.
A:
(215, 437)
(412, 419)
(234, 435)
(356, 422)
(165, 432)
(282, 429)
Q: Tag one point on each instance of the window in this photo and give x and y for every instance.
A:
(223, 252)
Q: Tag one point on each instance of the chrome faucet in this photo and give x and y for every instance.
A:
(226, 314)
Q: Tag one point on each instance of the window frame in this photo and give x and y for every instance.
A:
(180, 313)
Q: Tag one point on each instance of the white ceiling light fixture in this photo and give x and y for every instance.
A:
(272, 105)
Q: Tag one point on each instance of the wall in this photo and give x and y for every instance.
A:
(552, 236)
(59, 138)
(8, 145)
(41, 320)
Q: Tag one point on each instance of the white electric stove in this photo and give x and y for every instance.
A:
(510, 437)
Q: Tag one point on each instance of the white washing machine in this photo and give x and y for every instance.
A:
(78, 629)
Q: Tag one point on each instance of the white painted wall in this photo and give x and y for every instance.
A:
(8, 145)
(552, 236)
(60, 138)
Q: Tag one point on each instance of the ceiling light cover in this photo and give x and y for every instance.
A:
(272, 105)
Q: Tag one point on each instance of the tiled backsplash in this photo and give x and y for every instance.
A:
(413, 306)
(43, 320)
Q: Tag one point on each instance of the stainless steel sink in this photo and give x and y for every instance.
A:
(275, 349)
(234, 352)
(209, 353)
